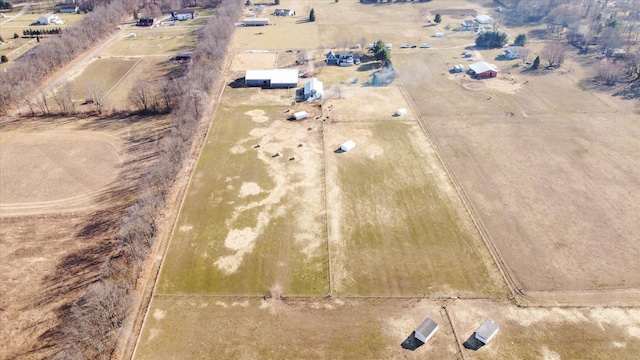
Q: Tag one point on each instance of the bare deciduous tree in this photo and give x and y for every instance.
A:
(554, 54)
(609, 72)
(63, 96)
(96, 91)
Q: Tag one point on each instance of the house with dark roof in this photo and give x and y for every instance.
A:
(341, 59)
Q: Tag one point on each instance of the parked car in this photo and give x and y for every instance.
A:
(425, 46)
(405, 46)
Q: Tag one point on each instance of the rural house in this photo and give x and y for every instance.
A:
(514, 52)
(145, 22)
(467, 24)
(69, 9)
(341, 59)
(483, 70)
(313, 89)
(425, 331)
(49, 19)
(183, 14)
(278, 78)
(284, 12)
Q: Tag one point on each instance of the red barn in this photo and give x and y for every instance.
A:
(483, 70)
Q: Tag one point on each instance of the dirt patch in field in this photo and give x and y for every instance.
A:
(51, 166)
(254, 60)
(556, 333)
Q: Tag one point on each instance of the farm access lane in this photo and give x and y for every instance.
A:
(69, 69)
(17, 15)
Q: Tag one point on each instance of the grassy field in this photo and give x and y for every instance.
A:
(248, 223)
(154, 42)
(295, 329)
(397, 227)
(545, 163)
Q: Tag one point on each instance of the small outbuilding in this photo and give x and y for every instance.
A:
(300, 115)
(483, 70)
(438, 35)
(255, 21)
(184, 56)
(313, 89)
(69, 9)
(277, 78)
(484, 19)
(145, 22)
(347, 145)
(401, 112)
(426, 330)
(487, 331)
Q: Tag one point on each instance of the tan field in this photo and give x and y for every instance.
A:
(513, 198)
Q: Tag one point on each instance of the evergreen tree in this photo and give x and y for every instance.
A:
(521, 40)
(536, 63)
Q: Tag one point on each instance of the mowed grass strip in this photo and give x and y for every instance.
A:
(239, 328)
(103, 73)
(400, 230)
(154, 41)
(246, 208)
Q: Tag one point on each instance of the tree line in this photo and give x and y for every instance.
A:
(96, 319)
(92, 326)
(40, 32)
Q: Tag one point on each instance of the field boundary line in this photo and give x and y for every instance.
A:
(189, 171)
(455, 334)
(326, 201)
(493, 250)
(120, 80)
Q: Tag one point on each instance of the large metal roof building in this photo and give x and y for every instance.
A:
(277, 78)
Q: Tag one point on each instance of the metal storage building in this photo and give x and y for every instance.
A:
(277, 78)
(425, 331)
(347, 145)
(256, 21)
(487, 331)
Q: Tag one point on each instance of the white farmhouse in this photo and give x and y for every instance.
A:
(515, 52)
(49, 19)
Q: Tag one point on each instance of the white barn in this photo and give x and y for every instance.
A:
(487, 331)
(277, 78)
(484, 19)
(426, 330)
(313, 89)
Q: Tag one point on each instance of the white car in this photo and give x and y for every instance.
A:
(405, 46)
(425, 46)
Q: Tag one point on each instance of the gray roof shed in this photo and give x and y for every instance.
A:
(487, 331)
(426, 330)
